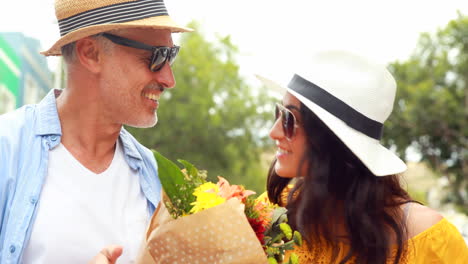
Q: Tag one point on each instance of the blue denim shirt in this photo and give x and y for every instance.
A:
(26, 136)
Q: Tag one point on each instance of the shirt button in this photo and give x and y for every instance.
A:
(12, 249)
(54, 138)
(33, 200)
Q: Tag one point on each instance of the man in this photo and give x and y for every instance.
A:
(72, 179)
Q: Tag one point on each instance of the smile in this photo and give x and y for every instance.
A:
(283, 151)
(152, 96)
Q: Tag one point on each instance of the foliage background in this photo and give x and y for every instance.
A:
(431, 109)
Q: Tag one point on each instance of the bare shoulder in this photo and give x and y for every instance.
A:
(420, 218)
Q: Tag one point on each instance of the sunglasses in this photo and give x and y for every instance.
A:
(159, 54)
(288, 121)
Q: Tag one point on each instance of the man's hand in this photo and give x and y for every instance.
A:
(107, 255)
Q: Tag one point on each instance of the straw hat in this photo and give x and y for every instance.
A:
(81, 18)
(353, 96)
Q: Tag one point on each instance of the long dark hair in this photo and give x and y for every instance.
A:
(340, 200)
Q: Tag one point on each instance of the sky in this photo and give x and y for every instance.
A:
(272, 35)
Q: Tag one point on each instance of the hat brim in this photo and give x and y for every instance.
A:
(378, 159)
(157, 22)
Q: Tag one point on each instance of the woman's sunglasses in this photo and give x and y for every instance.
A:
(288, 121)
(159, 54)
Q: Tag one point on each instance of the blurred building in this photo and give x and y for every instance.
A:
(24, 75)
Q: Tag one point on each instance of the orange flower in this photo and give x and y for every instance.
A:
(264, 210)
(228, 191)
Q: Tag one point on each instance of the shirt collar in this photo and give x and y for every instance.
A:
(48, 122)
(128, 145)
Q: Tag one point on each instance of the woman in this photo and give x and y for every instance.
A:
(347, 200)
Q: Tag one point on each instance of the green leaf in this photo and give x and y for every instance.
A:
(191, 169)
(277, 213)
(288, 245)
(170, 175)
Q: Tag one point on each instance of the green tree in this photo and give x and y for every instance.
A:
(212, 118)
(431, 109)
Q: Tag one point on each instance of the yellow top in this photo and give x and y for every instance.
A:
(441, 244)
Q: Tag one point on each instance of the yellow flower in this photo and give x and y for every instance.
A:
(207, 197)
(263, 198)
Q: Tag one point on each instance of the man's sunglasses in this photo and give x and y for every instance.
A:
(159, 54)
(288, 121)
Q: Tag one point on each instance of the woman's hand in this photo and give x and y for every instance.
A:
(107, 255)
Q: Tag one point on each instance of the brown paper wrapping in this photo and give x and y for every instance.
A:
(219, 235)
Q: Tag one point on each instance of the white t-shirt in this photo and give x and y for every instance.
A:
(80, 212)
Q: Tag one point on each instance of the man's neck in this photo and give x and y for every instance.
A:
(86, 134)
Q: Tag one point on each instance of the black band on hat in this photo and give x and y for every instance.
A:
(116, 13)
(336, 107)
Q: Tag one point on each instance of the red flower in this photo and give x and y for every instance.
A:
(259, 227)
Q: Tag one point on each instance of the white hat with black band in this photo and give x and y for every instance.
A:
(353, 96)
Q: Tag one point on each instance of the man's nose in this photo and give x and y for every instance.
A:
(165, 76)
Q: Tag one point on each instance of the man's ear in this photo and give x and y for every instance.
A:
(88, 53)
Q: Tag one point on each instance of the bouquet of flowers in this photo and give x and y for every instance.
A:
(204, 222)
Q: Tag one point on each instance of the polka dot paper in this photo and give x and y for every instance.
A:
(219, 235)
